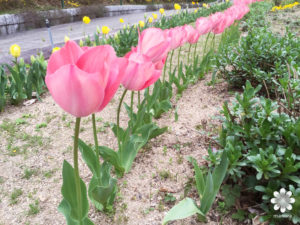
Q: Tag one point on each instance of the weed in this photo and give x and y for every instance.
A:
(164, 174)
(14, 196)
(29, 172)
(20, 121)
(39, 126)
(34, 208)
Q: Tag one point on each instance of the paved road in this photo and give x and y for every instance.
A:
(34, 41)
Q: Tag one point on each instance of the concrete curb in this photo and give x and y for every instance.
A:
(12, 23)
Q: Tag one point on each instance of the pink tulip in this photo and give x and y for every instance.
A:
(83, 81)
(215, 19)
(192, 34)
(178, 37)
(203, 25)
(154, 43)
(140, 72)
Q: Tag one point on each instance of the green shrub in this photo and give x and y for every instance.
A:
(263, 149)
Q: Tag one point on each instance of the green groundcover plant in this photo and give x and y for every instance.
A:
(263, 149)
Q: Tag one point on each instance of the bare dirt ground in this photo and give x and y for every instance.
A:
(36, 139)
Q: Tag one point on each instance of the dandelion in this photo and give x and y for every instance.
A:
(162, 11)
(15, 50)
(86, 20)
(141, 23)
(55, 49)
(105, 29)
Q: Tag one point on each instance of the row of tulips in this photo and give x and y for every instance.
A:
(83, 80)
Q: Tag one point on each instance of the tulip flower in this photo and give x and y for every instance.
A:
(105, 29)
(141, 23)
(86, 20)
(193, 3)
(177, 6)
(55, 49)
(203, 25)
(205, 5)
(178, 37)
(83, 82)
(192, 34)
(154, 16)
(66, 39)
(15, 50)
(162, 11)
(140, 72)
(150, 20)
(121, 20)
(196, 10)
(154, 43)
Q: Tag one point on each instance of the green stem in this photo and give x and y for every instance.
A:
(95, 135)
(204, 51)
(165, 68)
(213, 42)
(171, 62)
(179, 55)
(189, 53)
(139, 98)
(118, 117)
(131, 105)
(76, 170)
(195, 50)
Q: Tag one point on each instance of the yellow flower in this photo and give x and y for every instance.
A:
(67, 39)
(121, 20)
(55, 49)
(150, 20)
(86, 19)
(162, 11)
(141, 23)
(154, 16)
(177, 6)
(105, 29)
(205, 5)
(81, 43)
(196, 10)
(15, 50)
(227, 1)
(193, 3)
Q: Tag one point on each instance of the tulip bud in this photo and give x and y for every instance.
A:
(86, 20)
(15, 50)
(105, 29)
(67, 39)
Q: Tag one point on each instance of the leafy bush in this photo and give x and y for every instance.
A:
(261, 57)
(263, 149)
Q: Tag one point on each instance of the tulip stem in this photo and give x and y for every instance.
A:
(189, 53)
(118, 117)
(76, 170)
(179, 56)
(204, 51)
(95, 135)
(131, 105)
(171, 59)
(139, 98)
(165, 68)
(195, 50)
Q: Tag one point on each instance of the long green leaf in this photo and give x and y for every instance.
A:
(183, 209)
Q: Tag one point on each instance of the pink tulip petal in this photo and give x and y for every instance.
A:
(98, 59)
(68, 54)
(77, 92)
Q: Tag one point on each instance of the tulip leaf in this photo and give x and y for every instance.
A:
(183, 209)
(74, 212)
(89, 158)
(112, 157)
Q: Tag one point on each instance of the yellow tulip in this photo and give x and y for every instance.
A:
(105, 29)
(150, 20)
(193, 3)
(86, 20)
(154, 16)
(196, 10)
(15, 50)
(177, 6)
(205, 5)
(81, 43)
(227, 1)
(121, 20)
(67, 39)
(141, 23)
(55, 49)
(162, 11)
